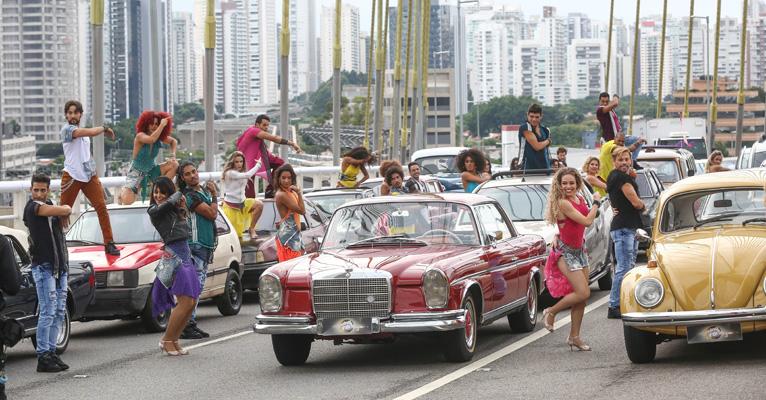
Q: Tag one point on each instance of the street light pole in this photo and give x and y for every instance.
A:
(461, 67)
(709, 136)
(209, 88)
(97, 25)
(336, 93)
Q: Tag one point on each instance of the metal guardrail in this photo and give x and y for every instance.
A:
(20, 189)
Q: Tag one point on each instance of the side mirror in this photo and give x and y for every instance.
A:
(643, 236)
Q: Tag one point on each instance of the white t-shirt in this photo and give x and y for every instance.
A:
(77, 159)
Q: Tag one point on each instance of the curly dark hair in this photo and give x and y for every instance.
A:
(477, 157)
(391, 171)
(358, 153)
(147, 117)
(180, 174)
(284, 168)
(386, 164)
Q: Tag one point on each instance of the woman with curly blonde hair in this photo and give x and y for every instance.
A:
(569, 211)
(714, 162)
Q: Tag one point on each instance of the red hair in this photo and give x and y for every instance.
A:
(147, 117)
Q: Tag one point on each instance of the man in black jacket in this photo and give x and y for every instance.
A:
(49, 269)
(10, 283)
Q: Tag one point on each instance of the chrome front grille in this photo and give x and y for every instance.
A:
(100, 279)
(350, 297)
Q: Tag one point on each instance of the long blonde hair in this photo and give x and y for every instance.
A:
(710, 159)
(552, 210)
(230, 163)
(586, 165)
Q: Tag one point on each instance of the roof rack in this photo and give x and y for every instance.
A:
(523, 173)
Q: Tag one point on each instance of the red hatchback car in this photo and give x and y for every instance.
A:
(437, 263)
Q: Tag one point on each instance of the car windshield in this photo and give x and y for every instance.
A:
(758, 159)
(667, 170)
(329, 202)
(693, 209)
(644, 189)
(694, 145)
(401, 223)
(521, 202)
(269, 217)
(129, 225)
(437, 165)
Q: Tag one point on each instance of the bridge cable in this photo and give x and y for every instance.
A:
(635, 65)
(369, 80)
(688, 60)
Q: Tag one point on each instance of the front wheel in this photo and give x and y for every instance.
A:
(62, 341)
(526, 319)
(230, 302)
(460, 344)
(640, 345)
(149, 321)
(291, 350)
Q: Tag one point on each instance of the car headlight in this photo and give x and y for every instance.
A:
(649, 292)
(435, 288)
(115, 278)
(270, 292)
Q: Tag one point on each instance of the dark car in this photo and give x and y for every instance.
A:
(260, 253)
(649, 189)
(23, 306)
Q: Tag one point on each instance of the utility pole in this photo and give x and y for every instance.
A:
(284, 91)
(425, 37)
(714, 106)
(97, 60)
(741, 96)
(208, 89)
(379, 66)
(336, 60)
(396, 102)
(416, 121)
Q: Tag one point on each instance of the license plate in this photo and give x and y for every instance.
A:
(347, 326)
(714, 333)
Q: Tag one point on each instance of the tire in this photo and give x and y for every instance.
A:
(526, 319)
(641, 346)
(151, 323)
(64, 332)
(230, 302)
(460, 344)
(605, 282)
(291, 350)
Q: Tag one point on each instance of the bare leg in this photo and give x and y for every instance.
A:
(580, 285)
(169, 168)
(578, 311)
(179, 316)
(127, 197)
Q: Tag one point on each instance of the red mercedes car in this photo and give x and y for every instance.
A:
(443, 264)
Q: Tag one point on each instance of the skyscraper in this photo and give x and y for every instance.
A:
(183, 65)
(264, 58)
(551, 80)
(442, 34)
(39, 57)
(679, 41)
(586, 60)
(232, 57)
(303, 66)
(579, 26)
(649, 60)
(350, 46)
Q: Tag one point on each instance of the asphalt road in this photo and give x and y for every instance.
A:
(118, 360)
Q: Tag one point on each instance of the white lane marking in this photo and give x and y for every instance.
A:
(430, 387)
(221, 339)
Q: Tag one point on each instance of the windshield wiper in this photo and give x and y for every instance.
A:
(398, 238)
(86, 242)
(751, 220)
(717, 218)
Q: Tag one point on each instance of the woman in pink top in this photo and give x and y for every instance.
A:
(567, 209)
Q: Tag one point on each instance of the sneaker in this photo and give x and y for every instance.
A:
(200, 331)
(45, 363)
(613, 313)
(111, 249)
(58, 361)
(190, 333)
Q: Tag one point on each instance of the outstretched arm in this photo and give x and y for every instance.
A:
(95, 131)
(277, 139)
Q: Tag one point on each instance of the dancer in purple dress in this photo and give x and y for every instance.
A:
(176, 275)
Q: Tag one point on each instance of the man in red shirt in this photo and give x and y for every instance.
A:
(251, 144)
(607, 117)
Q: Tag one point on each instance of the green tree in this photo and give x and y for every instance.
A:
(188, 112)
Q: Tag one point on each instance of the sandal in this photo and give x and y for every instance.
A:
(548, 325)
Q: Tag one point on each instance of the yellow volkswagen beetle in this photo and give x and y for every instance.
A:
(704, 279)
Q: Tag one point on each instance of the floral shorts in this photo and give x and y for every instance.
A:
(576, 259)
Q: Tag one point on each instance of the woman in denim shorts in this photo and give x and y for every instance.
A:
(569, 211)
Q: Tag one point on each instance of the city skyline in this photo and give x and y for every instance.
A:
(626, 11)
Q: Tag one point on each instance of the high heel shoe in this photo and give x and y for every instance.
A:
(576, 342)
(181, 350)
(548, 325)
(166, 351)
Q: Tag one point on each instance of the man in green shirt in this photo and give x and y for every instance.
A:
(203, 210)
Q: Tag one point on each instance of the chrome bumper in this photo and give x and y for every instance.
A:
(685, 318)
(398, 323)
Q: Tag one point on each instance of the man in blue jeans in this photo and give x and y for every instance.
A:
(49, 269)
(203, 210)
(623, 194)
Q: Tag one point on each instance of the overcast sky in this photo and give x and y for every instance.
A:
(596, 9)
